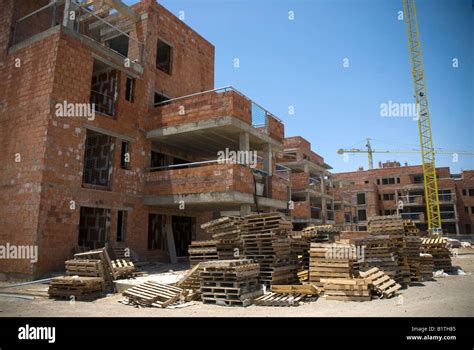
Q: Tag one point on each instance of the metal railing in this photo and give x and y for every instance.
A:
(259, 114)
(81, 20)
(38, 21)
(91, 25)
(411, 216)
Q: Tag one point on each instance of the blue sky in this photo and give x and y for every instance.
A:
(299, 63)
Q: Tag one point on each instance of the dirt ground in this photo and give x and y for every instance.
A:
(446, 296)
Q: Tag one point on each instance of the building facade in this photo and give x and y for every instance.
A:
(112, 131)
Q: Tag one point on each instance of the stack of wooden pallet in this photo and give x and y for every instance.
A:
(88, 274)
(392, 226)
(331, 260)
(265, 240)
(382, 284)
(191, 282)
(320, 233)
(151, 293)
(226, 228)
(378, 251)
(85, 267)
(78, 287)
(299, 249)
(410, 228)
(230, 282)
(426, 266)
(347, 289)
(412, 252)
(386, 225)
(438, 248)
(200, 251)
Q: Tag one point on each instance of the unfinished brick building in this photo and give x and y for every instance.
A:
(312, 187)
(380, 191)
(140, 169)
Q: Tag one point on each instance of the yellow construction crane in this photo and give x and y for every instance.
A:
(370, 152)
(424, 123)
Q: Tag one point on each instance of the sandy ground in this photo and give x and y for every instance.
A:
(446, 296)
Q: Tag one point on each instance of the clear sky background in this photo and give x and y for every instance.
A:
(300, 63)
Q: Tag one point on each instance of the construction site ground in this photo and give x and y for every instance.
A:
(449, 296)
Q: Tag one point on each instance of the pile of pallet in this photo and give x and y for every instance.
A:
(410, 228)
(77, 287)
(225, 228)
(200, 251)
(331, 260)
(393, 226)
(438, 249)
(412, 252)
(230, 282)
(347, 289)
(426, 266)
(265, 240)
(378, 251)
(320, 233)
(299, 250)
(153, 294)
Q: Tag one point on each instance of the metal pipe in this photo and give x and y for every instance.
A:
(26, 283)
(36, 11)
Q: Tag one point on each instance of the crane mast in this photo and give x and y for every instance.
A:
(424, 124)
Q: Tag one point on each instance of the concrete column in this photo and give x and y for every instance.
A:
(244, 141)
(267, 159)
(245, 209)
(324, 209)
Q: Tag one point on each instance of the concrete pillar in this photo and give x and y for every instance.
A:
(244, 141)
(324, 208)
(245, 209)
(267, 159)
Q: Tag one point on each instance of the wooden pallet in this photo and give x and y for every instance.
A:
(100, 254)
(230, 282)
(382, 283)
(84, 267)
(306, 289)
(151, 293)
(224, 228)
(122, 268)
(438, 249)
(325, 262)
(280, 299)
(79, 287)
(347, 289)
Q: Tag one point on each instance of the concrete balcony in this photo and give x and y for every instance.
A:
(212, 186)
(205, 123)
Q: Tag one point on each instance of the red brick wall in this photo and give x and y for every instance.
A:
(279, 188)
(465, 183)
(24, 93)
(276, 129)
(201, 107)
(192, 55)
(204, 179)
(299, 181)
(301, 210)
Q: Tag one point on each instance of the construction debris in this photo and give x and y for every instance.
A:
(154, 294)
(230, 282)
(382, 283)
